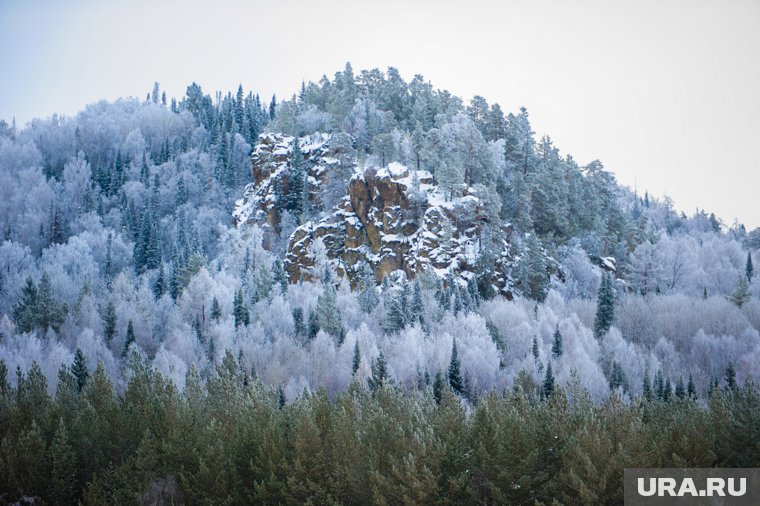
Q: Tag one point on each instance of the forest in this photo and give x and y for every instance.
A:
(155, 349)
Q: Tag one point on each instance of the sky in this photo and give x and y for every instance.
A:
(665, 93)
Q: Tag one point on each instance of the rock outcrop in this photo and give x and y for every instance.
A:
(390, 219)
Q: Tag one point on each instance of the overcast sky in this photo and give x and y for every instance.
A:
(665, 93)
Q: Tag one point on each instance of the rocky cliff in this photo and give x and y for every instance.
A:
(391, 219)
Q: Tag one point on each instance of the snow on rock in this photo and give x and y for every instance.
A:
(394, 219)
(271, 167)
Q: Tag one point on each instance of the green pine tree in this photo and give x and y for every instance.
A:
(548, 386)
(357, 358)
(455, 374)
(79, 369)
(605, 307)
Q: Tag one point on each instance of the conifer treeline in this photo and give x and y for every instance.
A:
(229, 439)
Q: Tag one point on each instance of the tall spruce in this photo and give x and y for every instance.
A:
(455, 373)
(605, 307)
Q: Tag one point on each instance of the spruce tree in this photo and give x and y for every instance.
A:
(455, 375)
(357, 358)
(63, 466)
(313, 324)
(108, 317)
(730, 377)
(299, 329)
(605, 307)
(548, 386)
(691, 389)
(79, 369)
(328, 313)
(438, 387)
(379, 373)
(130, 338)
(49, 314)
(557, 347)
(24, 311)
(749, 270)
(647, 386)
(216, 310)
(680, 388)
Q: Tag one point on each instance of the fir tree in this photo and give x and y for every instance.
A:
(57, 233)
(159, 286)
(313, 324)
(455, 375)
(357, 358)
(299, 329)
(24, 310)
(438, 387)
(108, 317)
(680, 389)
(328, 313)
(647, 386)
(216, 310)
(240, 310)
(548, 386)
(379, 373)
(47, 311)
(659, 385)
(79, 369)
(749, 270)
(691, 389)
(63, 464)
(605, 307)
(730, 377)
(741, 294)
(557, 346)
(130, 338)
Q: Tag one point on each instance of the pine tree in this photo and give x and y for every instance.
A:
(357, 358)
(108, 317)
(79, 369)
(438, 387)
(667, 390)
(416, 305)
(240, 310)
(273, 107)
(691, 389)
(557, 347)
(48, 313)
(24, 310)
(57, 233)
(548, 386)
(647, 386)
(63, 462)
(159, 286)
(313, 324)
(130, 338)
(617, 377)
(455, 375)
(216, 310)
(749, 270)
(379, 373)
(659, 385)
(741, 294)
(368, 299)
(605, 307)
(328, 314)
(680, 389)
(730, 377)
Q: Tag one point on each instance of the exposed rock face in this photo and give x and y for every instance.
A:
(272, 166)
(390, 219)
(394, 219)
